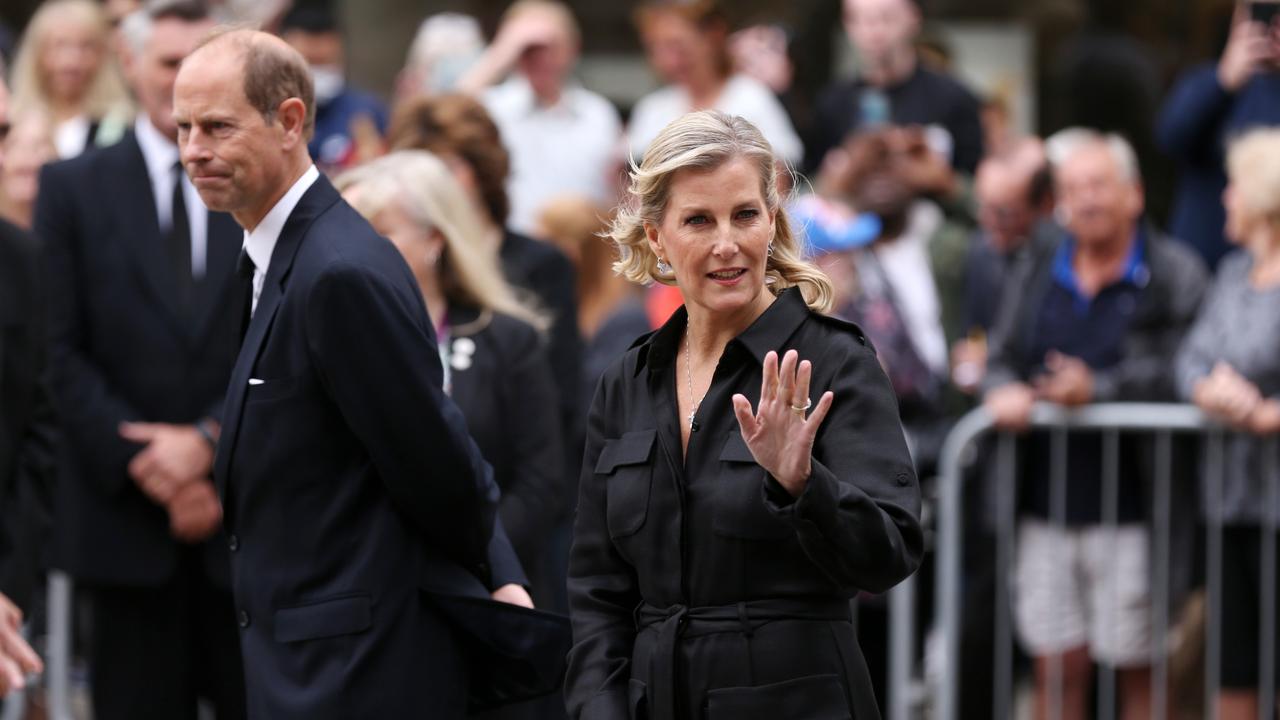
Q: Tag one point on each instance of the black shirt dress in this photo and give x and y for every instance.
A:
(698, 587)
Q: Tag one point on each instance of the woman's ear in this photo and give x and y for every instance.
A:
(655, 243)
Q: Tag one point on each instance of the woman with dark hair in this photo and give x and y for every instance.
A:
(745, 474)
(459, 130)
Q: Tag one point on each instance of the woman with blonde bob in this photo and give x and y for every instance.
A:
(491, 345)
(64, 69)
(1229, 368)
(745, 472)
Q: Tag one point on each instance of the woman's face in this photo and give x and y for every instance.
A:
(1240, 220)
(679, 51)
(70, 60)
(27, 148)
(420, 247)
(715, 234)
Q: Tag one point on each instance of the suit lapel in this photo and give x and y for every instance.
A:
(314, 202)
(211, 297)
(138, 224)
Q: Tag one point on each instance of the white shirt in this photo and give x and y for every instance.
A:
(260, 243)
(561, 149)
(741, 96)
(161, 156)
(71, 137)
(907, 265)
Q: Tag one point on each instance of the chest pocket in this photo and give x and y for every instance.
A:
(628, 473)
(739, 506)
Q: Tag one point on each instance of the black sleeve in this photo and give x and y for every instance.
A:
(603, 592)
(965, 124)
(363, 328)
(90, 409)
(534, 496)
(858, 518)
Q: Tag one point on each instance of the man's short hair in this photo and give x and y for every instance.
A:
(272, 74)
(1064, 144)
(310, 19)
(137, 26)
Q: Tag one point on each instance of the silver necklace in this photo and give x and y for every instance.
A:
(688, 374)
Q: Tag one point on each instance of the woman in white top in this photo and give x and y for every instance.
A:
(687, 44)
(65, 70)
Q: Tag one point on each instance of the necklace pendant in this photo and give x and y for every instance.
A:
(692, 415)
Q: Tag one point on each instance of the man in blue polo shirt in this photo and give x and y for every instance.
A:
(1096, 317)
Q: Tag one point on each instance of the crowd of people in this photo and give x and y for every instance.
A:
(540, 229)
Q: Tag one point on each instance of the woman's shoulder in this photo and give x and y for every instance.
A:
(834, 337)
(510, 336)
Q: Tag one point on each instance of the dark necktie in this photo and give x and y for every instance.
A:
(245, 269)
(179, 242)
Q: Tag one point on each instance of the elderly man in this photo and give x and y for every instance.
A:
(140, 277)
(563, 139)
(357, 507)
(894, 87)
(1096, 317)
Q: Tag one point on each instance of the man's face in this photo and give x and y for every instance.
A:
(546, 64)
(1100, 204)
(878, 28)
(154, 68)
(235, 157)
(1003, 208)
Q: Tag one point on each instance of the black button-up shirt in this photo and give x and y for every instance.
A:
(710, 528)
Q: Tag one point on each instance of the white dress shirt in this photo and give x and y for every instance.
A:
(260, 243)
(161, 156)
(742, 96)
(563, 149)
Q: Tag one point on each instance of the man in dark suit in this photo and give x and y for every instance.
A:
(355, 501)
(26, 437)
(141, 277)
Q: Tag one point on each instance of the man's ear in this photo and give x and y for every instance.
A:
(292, 116)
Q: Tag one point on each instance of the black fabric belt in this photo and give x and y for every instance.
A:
(676, 621)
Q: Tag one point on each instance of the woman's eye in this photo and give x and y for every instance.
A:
(750, 214)
(696, 220)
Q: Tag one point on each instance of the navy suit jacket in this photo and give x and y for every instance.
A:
(121, 350)
(352, 493)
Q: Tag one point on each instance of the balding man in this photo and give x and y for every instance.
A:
(356, 506)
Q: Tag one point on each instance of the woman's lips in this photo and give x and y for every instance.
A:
(727, 277)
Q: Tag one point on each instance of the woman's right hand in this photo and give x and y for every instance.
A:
(1227, 396)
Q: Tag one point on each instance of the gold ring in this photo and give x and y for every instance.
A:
(799, 410)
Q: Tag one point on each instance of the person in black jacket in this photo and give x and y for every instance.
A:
(141, 291)
(360, 515)
(1097, 316)
(491, 347)
(721, 529)
(27, 428)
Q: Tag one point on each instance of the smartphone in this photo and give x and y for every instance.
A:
(1263, 11)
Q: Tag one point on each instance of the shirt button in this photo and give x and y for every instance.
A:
(233, 543)
(243, 619)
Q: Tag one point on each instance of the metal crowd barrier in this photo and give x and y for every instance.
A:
(937, 698)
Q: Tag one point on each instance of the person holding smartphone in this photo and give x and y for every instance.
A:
(1211, 103)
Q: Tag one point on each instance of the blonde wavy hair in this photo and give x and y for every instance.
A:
(420, 184)
(706, 140)
(107, 95)
(1253, 164)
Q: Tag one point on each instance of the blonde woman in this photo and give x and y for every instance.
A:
(65, 70)
(1229, 367)
(745, 471)
(491, 346)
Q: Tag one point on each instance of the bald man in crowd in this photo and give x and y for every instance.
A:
(356, 505)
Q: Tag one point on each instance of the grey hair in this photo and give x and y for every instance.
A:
(1061, 146)
(137, 26)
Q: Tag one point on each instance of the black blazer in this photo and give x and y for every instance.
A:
(695, 573)
(501, 379)
(352, 494)
(122, 352)
(27, 423)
